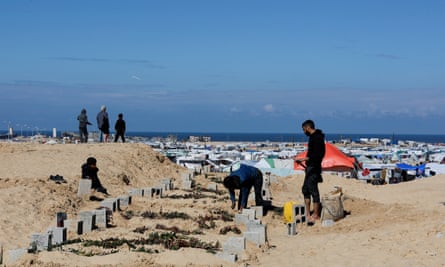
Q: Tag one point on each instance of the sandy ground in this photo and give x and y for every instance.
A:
(390, 225)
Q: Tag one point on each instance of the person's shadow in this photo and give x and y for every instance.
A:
(94, 198)
(272, 208)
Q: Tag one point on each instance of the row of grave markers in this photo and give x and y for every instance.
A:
(101, 218)
(86, 221)
(256, 232)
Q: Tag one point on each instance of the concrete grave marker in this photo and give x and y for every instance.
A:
(213, 187)
(40, 242)
(110, 203)
(256, 233)
(137, 192)
(234, 245)
(124, 201)
(89, 220)
(75, 226)
(291, 228)
(241, 219)
(58, 235)
(258, 211)
(84, 187)
(60, 217)
(167, 184)
(16, 254)
(101, 217)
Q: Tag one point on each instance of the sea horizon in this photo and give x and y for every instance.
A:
(290, 137)
(259, 137)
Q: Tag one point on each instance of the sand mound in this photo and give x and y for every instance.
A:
(389, 225)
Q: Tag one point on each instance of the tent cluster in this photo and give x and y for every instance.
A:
(334, 160)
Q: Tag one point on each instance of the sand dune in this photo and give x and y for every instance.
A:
(390, 225)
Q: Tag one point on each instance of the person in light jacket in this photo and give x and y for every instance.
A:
(103, 124)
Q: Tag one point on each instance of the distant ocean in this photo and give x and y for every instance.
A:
(289, 137)
(271, 137)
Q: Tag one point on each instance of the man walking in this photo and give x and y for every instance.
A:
(313, 159)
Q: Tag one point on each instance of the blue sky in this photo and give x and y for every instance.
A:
(225, 66)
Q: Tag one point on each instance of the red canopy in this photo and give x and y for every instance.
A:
(334, 160)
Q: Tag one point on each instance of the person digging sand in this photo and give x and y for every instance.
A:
(244, 179)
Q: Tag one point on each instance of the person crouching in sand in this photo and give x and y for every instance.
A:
(89, 171)
(244, 179)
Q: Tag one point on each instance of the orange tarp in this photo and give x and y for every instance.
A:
(334, 160)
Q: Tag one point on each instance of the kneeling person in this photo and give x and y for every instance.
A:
(89, 171)
(244, 179)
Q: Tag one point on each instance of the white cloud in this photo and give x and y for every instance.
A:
(269, 108)
(235, 110)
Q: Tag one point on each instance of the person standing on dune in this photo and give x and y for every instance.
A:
(120, 127)
(314, 157)
(83, 122)
(103, 124)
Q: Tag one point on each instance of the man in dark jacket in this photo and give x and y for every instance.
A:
(313, 159)
(83, 122)
(89, 171)
(244, 179)
(120, 128)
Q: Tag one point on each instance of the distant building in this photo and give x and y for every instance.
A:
(199, 138)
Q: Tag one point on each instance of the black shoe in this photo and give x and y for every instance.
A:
(102, 190)
(57, 178)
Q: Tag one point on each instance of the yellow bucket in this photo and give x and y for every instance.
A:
(287, 211)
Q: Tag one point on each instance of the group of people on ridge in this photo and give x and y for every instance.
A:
(89, 168)
(103, 124)
(246, 177)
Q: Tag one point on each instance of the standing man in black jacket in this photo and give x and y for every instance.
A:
(120, 127)
(313, 159)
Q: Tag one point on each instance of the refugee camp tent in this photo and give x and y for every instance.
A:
(414, 170)
(334, 160)
(265, 163)
(435, 168)
(278, 167)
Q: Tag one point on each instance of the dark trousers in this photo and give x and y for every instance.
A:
(257, 187)
(83, 134)
(121, 134)
(310, 184)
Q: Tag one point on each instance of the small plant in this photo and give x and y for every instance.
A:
(192, 195)
(206, 222)
(140, 230)
(173, 229)
(224, 215)
(175, 215)
(146, 250)
(128, 214)
(149, 214)
(230, 228)
(169, 240)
